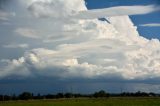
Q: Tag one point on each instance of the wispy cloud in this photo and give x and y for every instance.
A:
(118, 11)
(16, 46)
(39, 9)
(27, 32)
(151, 25)
(4, 16)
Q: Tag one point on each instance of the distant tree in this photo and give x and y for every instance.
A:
(14, 97)
(38, 96)
(152, 94)
(50, 96)
(1, 97)
(60, 95)
(25, 96)
(68, 95)
(78, 95)
(101, 93)
(5, 98)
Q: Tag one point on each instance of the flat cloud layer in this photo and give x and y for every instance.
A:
(151, 25)
(120, 11)
(84, 47)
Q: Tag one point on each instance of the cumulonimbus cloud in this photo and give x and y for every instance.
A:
(87, 47)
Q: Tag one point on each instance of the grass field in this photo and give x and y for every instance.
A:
(87, 102)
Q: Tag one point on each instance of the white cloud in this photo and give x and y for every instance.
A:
(14, 68)
(118, 11)
(80, 48)
(83, 61)
(27, 32)
(76, 9)
(151, 25)
(49, 8)
(16, 46)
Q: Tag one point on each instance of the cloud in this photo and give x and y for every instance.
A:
(16, 46)
(150, 25)
(85, 47)
(40, 62)
(118, 11)
(27, 32)
(76, 9)
(4, 16)
(49, 8)
(14, 68)
(112, 61)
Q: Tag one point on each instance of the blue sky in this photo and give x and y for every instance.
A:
(51, 46)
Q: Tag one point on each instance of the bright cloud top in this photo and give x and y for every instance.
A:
(57, 8)
(85, 47)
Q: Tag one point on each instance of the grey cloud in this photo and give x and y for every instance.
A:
(4, 16)
(27, 32)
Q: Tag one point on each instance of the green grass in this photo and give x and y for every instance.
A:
(87, 102)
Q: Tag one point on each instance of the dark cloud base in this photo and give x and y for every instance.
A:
(4, 3)
(45, 86)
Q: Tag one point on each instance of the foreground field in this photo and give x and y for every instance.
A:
(87, 102)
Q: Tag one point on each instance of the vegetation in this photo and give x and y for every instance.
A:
(112, 101)
(100, 98)
(99, 94)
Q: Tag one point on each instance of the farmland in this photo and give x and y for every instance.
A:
(112, 101)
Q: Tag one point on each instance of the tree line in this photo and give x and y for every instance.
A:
(99, 94)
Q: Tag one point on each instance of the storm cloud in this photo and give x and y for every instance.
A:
(68, 41)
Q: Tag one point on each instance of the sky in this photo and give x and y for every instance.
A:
(50, 46)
